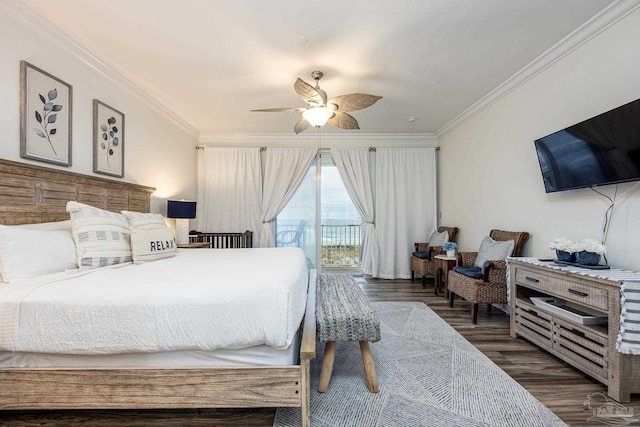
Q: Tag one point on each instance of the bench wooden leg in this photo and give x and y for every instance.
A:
(327, 366)
(369, 367)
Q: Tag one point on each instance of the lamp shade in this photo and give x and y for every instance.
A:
(181, 209)
(317, 116)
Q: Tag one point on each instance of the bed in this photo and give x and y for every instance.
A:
(33, 194)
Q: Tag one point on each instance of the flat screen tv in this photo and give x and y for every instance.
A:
(604, 149)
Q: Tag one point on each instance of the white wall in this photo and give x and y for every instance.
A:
(158, 153)
(489, 175)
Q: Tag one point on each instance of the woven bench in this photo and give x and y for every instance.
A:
(343, 314)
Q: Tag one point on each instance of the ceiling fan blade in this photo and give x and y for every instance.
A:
(301, 126)
(354, 101)
(279, 110)
(310, 94)
(343, 121)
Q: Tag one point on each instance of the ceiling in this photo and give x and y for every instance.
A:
(211, 61)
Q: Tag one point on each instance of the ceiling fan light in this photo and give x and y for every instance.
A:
(317, 116)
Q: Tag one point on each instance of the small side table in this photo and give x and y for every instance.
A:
(194, 245)
(443, 264)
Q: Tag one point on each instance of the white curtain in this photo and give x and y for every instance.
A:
(285, 169)
(232, 190)
(354, 165)
(405, 207)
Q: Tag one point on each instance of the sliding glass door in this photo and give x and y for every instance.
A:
(321, 219)
(296, 223)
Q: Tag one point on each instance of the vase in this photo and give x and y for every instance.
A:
(565, 256)
(588, 258)
(451, 253)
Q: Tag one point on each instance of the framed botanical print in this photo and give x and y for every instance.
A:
(45, 116)
(108, 140)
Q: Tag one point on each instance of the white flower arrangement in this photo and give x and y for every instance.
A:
(584, 245)
(590, 245)
(562, 244)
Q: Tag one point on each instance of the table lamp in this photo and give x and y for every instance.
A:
(182, 211)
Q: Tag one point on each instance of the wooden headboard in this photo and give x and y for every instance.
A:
(32, 194)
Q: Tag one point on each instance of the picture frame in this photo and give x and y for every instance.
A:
(46, 114)
(108, 140)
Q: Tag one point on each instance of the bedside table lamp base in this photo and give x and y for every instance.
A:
(182, 231)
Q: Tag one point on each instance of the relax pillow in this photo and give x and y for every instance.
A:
(438, 238)
(28, 253)
(102, 237)
(152, 244)
(491, 250)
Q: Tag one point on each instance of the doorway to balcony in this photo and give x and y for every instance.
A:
(321, 219)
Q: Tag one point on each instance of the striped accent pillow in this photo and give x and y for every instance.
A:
(102, 237)
(144, 221)
(153, 244)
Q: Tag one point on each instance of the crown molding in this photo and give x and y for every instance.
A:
(288, 138)
(45, 29)
(600, 22)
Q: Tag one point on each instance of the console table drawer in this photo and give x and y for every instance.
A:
(583, 294)
(572, 291)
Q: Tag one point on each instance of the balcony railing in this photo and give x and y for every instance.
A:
(340, 243)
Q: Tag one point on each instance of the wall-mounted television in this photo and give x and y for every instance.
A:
(604, 149)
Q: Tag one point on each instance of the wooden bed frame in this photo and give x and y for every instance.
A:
(33, 194)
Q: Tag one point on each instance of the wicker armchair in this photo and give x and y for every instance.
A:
(426, 267)
(492, 287)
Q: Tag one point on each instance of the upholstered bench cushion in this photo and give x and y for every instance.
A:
(473, 272)
(342, 311)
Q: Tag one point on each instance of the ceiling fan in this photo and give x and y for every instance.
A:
(320, 111)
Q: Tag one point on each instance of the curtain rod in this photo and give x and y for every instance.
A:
(202, 147)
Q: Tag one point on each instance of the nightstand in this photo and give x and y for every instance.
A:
(443, 264)
(194, 245)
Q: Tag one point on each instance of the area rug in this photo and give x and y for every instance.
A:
(429, 376)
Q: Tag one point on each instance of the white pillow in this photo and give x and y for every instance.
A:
(56, 225)
(492, 250)
(144, 221)
(28, 253)
(102, 237)
(438, 239)
(152, 244)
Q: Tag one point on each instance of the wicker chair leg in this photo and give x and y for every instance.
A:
(451, 297)
(489, 307)
(413, 275)
(474, 313)
(424, 281)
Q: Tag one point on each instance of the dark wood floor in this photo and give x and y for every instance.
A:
(560, 387)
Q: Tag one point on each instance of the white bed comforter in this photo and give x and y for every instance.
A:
(201, 299)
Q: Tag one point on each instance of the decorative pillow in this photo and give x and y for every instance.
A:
(56, 225)
(102, 237)
(437, 238)
(144, 221)
(28, 253)
(473, 272)
(421, 254)
(491, 250)
(153, 244)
